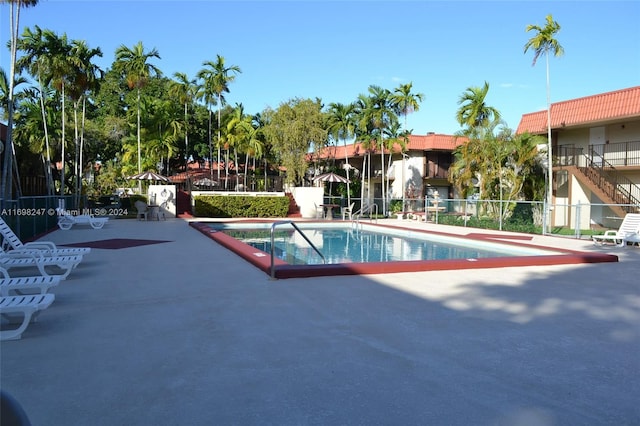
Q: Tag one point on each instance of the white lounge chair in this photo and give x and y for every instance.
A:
(27, 307)
(18, 285)
(66, 220)
(629, 231)
(34, 259)
(10, 241)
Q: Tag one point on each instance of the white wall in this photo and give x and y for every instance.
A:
(307, 198)
(165, 197)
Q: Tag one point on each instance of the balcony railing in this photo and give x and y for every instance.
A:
(622, 154)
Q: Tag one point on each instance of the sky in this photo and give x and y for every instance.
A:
(334, 50)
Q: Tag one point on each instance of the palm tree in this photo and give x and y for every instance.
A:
(6, 182)
(60, 67)
(4, 91)
(186, 91)
(216, 78)
(395, 135)
(376, 114)
(342, 125)
(134, 64)
(35, 60)
(84, 78)
(235, 135)
(473, 111)
(405, 101)
(542, 43)
(244, 136)
(29, 128)
(164, 136)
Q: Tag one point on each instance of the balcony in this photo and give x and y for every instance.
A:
(622, 154)
(617, 155)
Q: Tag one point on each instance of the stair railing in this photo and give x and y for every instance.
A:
(603, 174)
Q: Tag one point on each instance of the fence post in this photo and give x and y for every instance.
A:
(578, 211)
(544, 217)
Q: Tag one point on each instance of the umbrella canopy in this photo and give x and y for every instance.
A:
(151, 176)
(330, 177)
(205, 182)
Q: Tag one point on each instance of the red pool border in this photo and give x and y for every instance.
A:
(262, 260)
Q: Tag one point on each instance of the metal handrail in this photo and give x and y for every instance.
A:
(603, 174)
(355, 218)
(366, 209)
(284, 222)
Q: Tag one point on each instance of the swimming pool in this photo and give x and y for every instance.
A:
(373, 249)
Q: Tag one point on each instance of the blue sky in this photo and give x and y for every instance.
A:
(336, 49)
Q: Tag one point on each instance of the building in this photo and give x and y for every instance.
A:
(596, 156)
(424, 166)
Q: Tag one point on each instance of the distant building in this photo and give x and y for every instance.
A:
(424, 166)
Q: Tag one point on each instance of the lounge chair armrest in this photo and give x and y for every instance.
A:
(40, 245)
(22, 253)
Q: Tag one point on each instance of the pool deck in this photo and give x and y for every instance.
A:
(183, 332)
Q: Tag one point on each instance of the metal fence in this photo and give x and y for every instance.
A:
(573, 220)
(35, 215)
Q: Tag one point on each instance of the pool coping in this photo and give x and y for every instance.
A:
(283, 270)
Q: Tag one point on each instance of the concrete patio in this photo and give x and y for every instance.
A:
(183, 332)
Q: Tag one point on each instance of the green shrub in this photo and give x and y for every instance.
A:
(241, 206)
(395, 206)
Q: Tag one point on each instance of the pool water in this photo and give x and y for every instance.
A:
(346, 245)
(378, 249)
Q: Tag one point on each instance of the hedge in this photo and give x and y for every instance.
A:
(240, 206)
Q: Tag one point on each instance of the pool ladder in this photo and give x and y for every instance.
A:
(285, 222)
(355, 219)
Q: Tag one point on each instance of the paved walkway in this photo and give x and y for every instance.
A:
(185, 333)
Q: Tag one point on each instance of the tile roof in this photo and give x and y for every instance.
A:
(600, 108)
(428, 142)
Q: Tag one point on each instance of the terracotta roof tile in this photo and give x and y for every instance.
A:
(429, 142)
(616, 105)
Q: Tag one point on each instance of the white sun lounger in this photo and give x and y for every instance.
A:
(27, 307)
(629, 231)
(18, 285)
(10, 241)
(34, 259)
(66, 220)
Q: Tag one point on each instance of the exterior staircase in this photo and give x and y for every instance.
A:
(605, 181)
(183, 204)
(294, 209)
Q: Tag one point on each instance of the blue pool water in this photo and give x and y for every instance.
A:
(340, 243)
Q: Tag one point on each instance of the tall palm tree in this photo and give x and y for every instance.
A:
(473, 111)
(134, 64)
(376, 115)
(405, 101)
(245, 137)
(395, 135)
(6, 182)
(217, 77)
(35, 60)
(185, 91)
(543, 42)
(342, 125)
(164, 136)
(84, 78)
(61, 64)
(235, 135)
